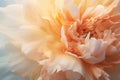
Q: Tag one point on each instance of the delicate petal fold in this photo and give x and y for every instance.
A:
(61, 39)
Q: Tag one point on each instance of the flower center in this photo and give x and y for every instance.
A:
(77, 33)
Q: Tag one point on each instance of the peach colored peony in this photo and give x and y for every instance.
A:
(65, 39)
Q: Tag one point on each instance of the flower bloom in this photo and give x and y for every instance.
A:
(69, 39)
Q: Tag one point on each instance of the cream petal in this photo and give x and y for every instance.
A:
(63, 36)
(70, 6)
(30, 48)
(42, 12)
(34, 12)
(97, 9)
(11, 14)
(59, 4)
(34, 51)
(93, 51)
(12, 18)
(86, 13)
(95, 12)
(112, 6)
(23, 34)
(74, 11)
(63, 63)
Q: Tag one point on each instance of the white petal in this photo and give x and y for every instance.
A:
(63, 63)
(74, 11)
(93, 50)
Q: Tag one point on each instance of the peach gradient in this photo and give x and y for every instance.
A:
(70, 39)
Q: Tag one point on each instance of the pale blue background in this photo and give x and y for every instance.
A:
(5, 2)
(4, 69)
(5, 73)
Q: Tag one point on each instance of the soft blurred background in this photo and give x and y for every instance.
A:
(5, 72)
(4, 3)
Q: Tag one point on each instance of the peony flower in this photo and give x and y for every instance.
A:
(63, 39)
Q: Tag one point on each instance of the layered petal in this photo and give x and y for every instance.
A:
(62, 39)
